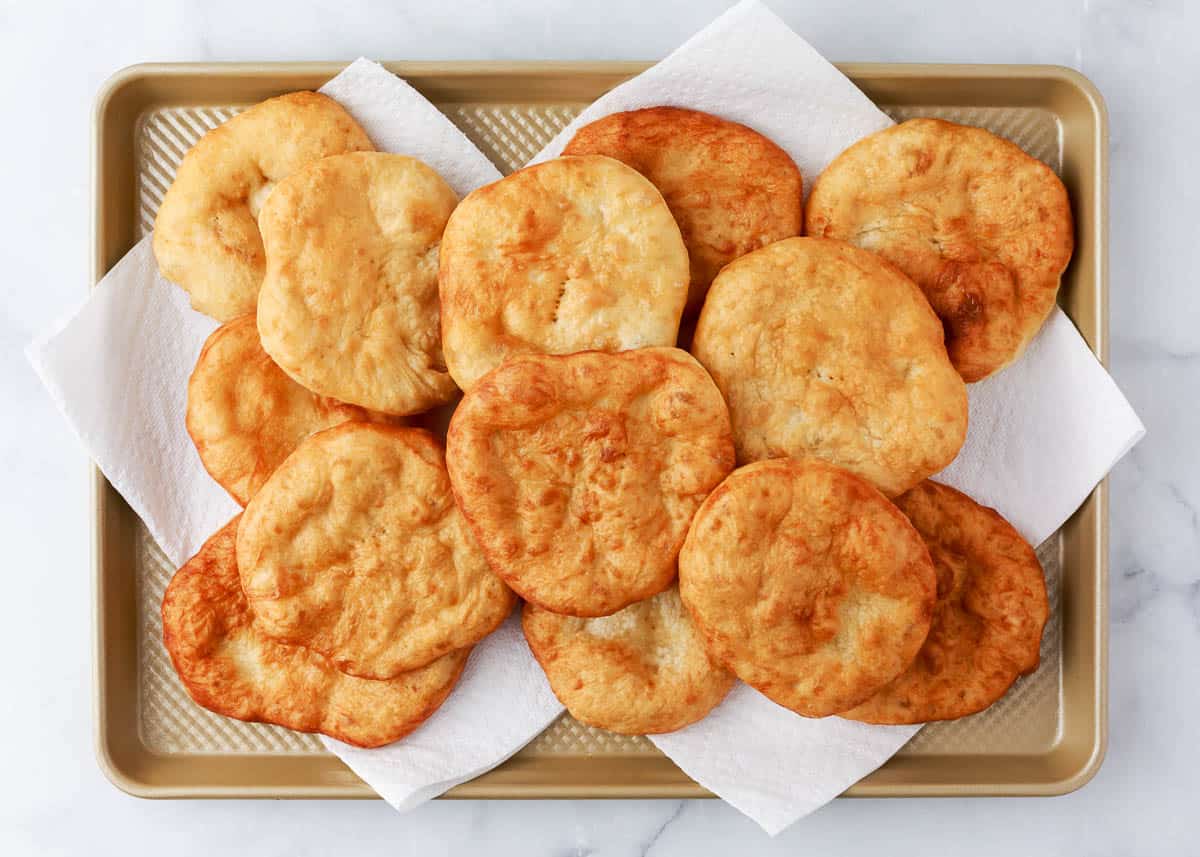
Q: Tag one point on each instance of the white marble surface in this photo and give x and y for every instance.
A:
(1142, 55)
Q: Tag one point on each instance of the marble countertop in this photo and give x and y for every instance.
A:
(1142, 56)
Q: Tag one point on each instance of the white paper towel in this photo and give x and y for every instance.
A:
(1042, 433)
(118, 369)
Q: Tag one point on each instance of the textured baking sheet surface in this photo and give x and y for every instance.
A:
(1026, 721)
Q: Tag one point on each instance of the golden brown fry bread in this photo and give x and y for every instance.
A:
(824, 349)
(206, 235)
(568, 255)
(354, 548)
(245, 415)
(349, 304)
(641, 671)
(579, 473)
(984, 229)
(229, 666)
(730, 189)
(807, 583)
(987, 625)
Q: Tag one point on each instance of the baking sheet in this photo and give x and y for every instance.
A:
(1045, 736)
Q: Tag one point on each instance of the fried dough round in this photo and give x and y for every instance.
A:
(349, 304)
(643, 670)
(245, 415)
(580, 473)
(730, 189)
(206, 236)
(987, 625)
(229, 666)
(354, 548)
(824, 349)
(569, 255)
(983, 228)
(807, 583)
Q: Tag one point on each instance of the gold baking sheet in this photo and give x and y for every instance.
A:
(1046, 736)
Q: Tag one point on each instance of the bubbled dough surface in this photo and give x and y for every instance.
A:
(229, 666)
(245, 415)
(987, 625)
(643, 670)
(822, 349)
(349, 304)
(730, 189)
(983, 228)
(579, 474)
(807, 583)
(572, 254)
(354, 547)
(206, 236)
